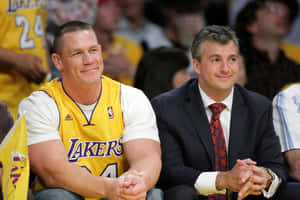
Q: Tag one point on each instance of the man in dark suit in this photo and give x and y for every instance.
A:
(242, 131)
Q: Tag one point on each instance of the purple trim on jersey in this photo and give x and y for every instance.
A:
(56, 106)
(88, 121)
(96, 104)
(121, 103)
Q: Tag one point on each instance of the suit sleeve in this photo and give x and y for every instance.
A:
(269, 150)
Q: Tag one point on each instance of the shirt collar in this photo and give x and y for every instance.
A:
(208, 101)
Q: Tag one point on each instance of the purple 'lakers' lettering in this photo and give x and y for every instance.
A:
(15, 5)
(18, 164)
(111, 146)
(79, 149)
(100, 149)
(73, 141)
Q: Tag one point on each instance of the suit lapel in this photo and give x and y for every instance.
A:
(197, 116)
(238, 127)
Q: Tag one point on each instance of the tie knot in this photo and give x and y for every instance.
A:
(217, 108)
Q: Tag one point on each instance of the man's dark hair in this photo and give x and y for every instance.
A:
(248, 15)
(69, 27)
(157, 68)
(220, 34)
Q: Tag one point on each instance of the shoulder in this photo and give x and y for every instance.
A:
(292, 91)
(132, 97)
(287, 47)
(178, 95)
(130, 92)
(38, 101)
(253, 100)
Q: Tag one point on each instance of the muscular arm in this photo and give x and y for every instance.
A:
(144, 156)
(293, 160)
(53, 167)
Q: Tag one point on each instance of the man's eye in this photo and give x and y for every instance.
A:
(94, 50)
(215, 60)
(76, 53)
(233, 59)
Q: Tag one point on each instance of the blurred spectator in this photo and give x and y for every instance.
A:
(135, 26)
(261, 25)
(292, 37)
(161, 70)
(120, 55)
(286, 117)
(6, 121)
(23, 51)
(242, 75)
(61, 11)
(184, 20)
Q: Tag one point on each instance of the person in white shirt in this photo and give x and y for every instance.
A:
(230, 154)
(286, 116)
(89, 136)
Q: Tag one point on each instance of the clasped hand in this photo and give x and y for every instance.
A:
(246, 178)
(129, 186)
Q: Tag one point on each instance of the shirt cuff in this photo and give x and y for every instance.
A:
(206, 184)
(274, 185)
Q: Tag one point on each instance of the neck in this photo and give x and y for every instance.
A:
(219, 95)
(270, 45)
(84, 94)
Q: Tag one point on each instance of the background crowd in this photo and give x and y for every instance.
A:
(147, 44)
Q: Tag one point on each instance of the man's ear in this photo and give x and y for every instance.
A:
(196, 66)
(57, 61)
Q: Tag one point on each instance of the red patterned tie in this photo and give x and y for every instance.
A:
(219, 143)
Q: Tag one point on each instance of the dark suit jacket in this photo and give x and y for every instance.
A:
(187, 147)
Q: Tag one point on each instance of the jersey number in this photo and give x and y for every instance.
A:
(25, 42)
(111, 171)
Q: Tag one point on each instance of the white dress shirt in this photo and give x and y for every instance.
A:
(206, 181)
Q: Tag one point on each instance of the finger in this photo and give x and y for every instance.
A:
(244, 191)
(248, 161)
(245, 162)
(259, 180)
(245, 175)
(258, 192)
(138, 196)
(134, 189)
(259, 171)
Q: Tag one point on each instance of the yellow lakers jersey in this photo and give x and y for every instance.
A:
(95, 144)
(22, 25)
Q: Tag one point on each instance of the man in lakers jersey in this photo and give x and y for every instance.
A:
(89, 136)
(23, 51)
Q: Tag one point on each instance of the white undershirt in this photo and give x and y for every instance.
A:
(42, 116)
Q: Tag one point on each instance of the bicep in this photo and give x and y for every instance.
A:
(139, 149)
(47, 158)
